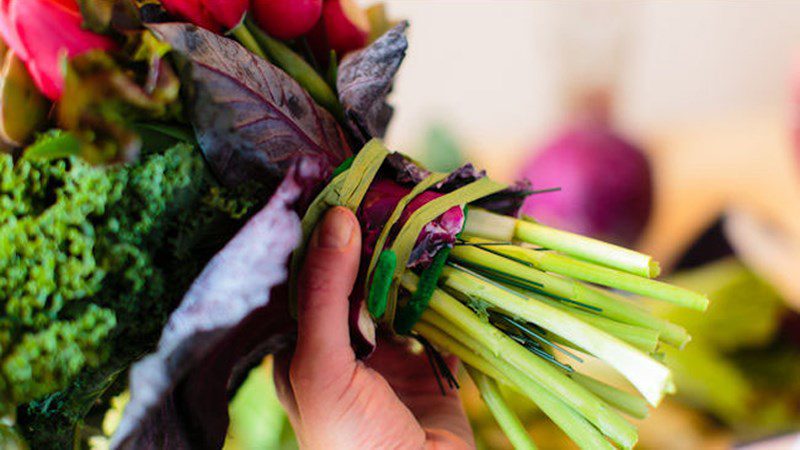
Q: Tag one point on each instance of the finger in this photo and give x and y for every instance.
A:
(414, 381)
(330, 270)
(283, 388)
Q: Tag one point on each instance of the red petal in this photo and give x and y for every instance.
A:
(49, 30)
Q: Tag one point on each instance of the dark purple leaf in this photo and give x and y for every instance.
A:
(179, 394)
(507, 202)
(365, 79)
(252, 120)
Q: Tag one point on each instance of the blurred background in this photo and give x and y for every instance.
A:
(681, 117)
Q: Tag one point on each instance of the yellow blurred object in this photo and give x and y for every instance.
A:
(745, 165)
(23, 109)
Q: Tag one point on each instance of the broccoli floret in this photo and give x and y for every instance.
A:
(92, 260)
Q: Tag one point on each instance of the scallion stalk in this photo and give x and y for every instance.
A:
(626, 402)
(482, 223)
(508, 421)
(548, 376)
(583, 433)
(647, 375)
(608, 304)
(594, 273)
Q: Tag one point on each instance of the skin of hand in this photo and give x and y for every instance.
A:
(333, 400)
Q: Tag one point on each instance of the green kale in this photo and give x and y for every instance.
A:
(92, 261)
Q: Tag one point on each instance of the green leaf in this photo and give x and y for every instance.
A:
(53, 145)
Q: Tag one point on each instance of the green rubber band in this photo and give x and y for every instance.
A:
(381, 282)
(409, 315)
(407, 237)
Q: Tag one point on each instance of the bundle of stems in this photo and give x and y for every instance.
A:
(522, 304)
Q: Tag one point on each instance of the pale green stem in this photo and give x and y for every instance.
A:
(293, 64)
(645, 339)
(626, 402)
(647, 375)
(243, 35)
(583, 433)
(593, 273)
(486, 224)
(611, 305)
(505, 417)
(548, 376)
(443, 333)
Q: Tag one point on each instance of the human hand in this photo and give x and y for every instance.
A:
(335, 401)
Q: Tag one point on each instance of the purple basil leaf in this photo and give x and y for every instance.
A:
(179, 394)
(365, 79)
(507, 202)
(252, 120)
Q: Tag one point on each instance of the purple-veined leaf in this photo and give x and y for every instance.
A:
(252, 120)
(507, 202)
(232, 314)
(365, 79)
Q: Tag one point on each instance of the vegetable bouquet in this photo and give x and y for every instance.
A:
(166, 162)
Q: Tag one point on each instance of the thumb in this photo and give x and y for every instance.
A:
(327, 278)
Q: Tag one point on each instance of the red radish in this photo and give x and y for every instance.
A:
(605, 181)
(287, 19)
(346, 25)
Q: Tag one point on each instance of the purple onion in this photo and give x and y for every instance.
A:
(606, 184)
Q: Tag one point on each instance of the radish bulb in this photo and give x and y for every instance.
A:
(346, 25)
(287, 19)
(605, 180)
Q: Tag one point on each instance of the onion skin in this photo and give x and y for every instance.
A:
(606, 184)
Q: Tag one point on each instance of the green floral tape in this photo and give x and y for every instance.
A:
(381, 282)
(409, 315)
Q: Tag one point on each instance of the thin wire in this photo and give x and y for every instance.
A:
(529, 286)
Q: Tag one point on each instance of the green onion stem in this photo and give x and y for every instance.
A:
(548, 376)
(505, 417)
(245, 37)
(610, 305)
(628, 403)
(581, 247)
(472, 353)
(593, 273)
(647, 375)
(645, 339)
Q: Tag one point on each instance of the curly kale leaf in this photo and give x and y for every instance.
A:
(92, 261)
